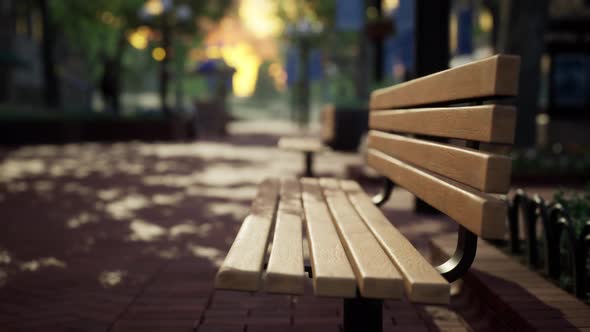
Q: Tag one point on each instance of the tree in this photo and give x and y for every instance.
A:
(99, 29)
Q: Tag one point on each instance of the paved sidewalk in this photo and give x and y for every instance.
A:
(128, 237)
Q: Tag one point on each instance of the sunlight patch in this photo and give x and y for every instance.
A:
(36, 264)
(237, 211)
(123, 208)
(145, 231)
(246, 193)
(13, 169)
(108, 194)
(184, 229)
(214, 255)
(81, 219)
(163, 199)
(111, 278)
(5, 257)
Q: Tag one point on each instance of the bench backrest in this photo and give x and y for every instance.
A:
(457, 180)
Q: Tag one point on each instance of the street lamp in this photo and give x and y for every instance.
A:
(304, 33)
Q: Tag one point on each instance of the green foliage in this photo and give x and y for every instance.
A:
(547, 162)
(577, 205)
(98, 29)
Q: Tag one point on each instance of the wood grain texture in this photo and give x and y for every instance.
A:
(303, 144)
(285, 273)
(242, 267)
(332, 273)
(486, 123)
(491, 77)
(376, 275)
(481, 213)
(422, 282)
(484, 171)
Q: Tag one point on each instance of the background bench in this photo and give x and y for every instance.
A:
(354, 251)
(306, 145)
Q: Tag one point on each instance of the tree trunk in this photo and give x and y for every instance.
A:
(117, 60)
(6, 39)
(164, 75)
(522, 28)
(51, 89)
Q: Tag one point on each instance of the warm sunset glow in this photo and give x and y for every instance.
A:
(243, 58)
(260, 18)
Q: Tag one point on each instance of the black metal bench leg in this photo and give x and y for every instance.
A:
(363, 315)
(384, 196)
(308, 164)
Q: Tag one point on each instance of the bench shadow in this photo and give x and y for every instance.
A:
(508, 306)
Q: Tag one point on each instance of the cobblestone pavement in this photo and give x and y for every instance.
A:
(128, 237)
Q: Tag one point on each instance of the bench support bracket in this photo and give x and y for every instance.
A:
(363, 315)
(384, 196)
(459, 263)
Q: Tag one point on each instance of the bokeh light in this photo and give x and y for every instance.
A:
(159, 54)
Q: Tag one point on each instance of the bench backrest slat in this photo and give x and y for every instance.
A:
(496, 76)
(481, 170)
(456, 180)
(486, 123)
(477, 211)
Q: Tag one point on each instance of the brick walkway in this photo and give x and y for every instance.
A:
(518, 298)
(128, 237)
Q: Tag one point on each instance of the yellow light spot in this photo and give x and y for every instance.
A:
(159, 54)
(259, 16)
(138, 40)
(154, 7)
(390, 5)
(486, 21)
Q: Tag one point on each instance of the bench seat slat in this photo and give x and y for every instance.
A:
(484, 171)
(491, 77)
(422, 282)
(242, 267)
(285, 273)
(486, 123)
(303, 144)
(481, 213)
(332, 273)
(376, 275)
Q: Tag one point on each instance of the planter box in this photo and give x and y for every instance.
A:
(343, 127)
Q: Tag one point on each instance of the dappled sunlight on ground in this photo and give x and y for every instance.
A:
(101, 210)
(94, 227)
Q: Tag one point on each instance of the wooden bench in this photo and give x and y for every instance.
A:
(354, 251)
(307, 145)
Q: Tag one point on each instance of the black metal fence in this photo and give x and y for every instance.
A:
(553, 242)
